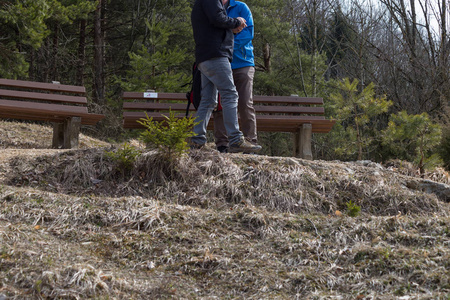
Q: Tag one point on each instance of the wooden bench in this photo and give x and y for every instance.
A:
(301, 116)
(63, 105)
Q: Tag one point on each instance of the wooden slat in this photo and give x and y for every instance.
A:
(317, 128)
(27, 107)
(256, 98)
(272, 120)
(289, 109)
(140, 114)
(86, 119)
(42, 86)
(281, 118)
(287, 100)
(287, 118)
(156, 106)
(264, 122)
(160, 96)
(43, 96)
(32, 117)
(151, 106)
(91, 119)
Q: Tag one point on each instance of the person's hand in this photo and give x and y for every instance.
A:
(241, 26)
(243, 22)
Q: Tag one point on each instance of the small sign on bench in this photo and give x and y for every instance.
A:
(150, 95)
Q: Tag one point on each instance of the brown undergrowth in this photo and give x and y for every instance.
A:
(207, 179)
(74, 226)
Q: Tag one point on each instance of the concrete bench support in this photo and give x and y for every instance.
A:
(65, 135)
(302, 142)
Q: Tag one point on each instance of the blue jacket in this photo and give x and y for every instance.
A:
(212, 30)
(243, 47)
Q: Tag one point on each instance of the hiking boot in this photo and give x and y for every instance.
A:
(244, 146)
(222, 149)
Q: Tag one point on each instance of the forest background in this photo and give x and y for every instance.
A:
(382, 67)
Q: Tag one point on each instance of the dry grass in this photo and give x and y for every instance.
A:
(35, 136)
(73, 226)
(209, 180)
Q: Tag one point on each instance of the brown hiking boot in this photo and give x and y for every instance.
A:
(244, 146)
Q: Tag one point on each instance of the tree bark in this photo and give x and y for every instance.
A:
(314, 49)
(444, 57)
(266, 52)
(99, 41)
(54, 67)
(81, 53)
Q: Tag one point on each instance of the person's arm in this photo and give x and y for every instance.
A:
(247, 34)
(217, 15)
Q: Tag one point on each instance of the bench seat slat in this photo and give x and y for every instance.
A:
(264, 122)
(256, 98)
(161, 96)
(42, 86)
(91, 119)
(317, 127)
(287, 100)
(43, 96)
(87, 119)
(30, 107)
(289, 109)
(137, 115)
(156, 106)
(258, 108)
(261, 127)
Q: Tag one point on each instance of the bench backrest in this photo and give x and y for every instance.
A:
(274, 113)
(262, 104)
(42, 91)
(43, 101)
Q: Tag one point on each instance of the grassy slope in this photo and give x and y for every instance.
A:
(72, 225)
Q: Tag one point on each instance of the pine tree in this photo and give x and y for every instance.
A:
(355, 113)
(413, 138)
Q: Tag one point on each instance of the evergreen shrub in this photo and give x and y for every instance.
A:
(170, 136)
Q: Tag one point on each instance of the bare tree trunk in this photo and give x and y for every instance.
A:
(81, 53)
(266, 52)
(314, 49)
(54, 59)
(417, 55)
(444, 57)
(99, 74)
(32, 66)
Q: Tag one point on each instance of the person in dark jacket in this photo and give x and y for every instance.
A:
(243, 66)
(214, 41)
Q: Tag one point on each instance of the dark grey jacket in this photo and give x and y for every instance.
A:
(212, 30)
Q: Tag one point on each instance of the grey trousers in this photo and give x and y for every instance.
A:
(243, 80)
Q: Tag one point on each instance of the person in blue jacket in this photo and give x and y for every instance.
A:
(213, 35)
(243, 66)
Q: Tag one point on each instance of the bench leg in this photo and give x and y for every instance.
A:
(58, 135)
(302, 142)
(65, 135)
